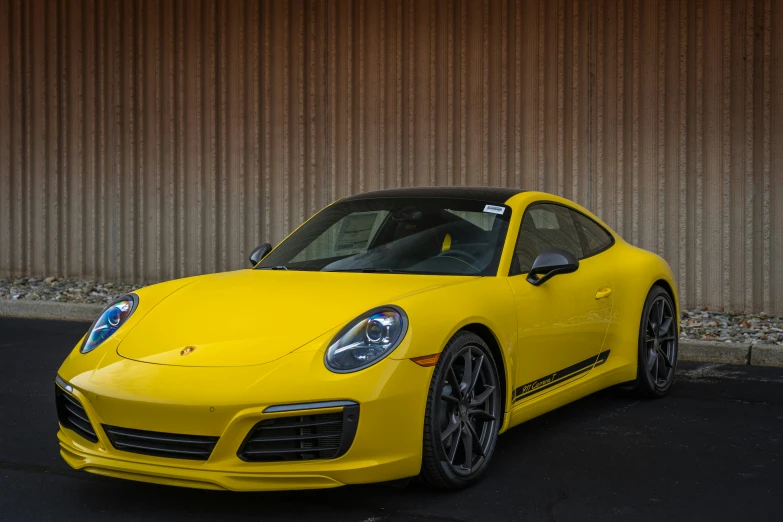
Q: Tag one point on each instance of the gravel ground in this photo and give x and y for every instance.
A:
(62, 290)
(727, 327)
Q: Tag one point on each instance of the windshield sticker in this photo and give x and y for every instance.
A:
(494, 209)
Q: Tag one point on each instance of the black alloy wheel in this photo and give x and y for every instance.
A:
(658, 344)
(463, 414)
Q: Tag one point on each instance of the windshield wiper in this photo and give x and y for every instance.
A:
(369, 270)
(276, 267)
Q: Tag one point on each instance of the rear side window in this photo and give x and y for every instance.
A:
(545, 226)
(595, 238)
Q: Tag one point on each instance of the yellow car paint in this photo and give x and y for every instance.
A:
(259, 339)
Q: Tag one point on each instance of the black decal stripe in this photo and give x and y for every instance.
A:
(560, 376)
(553, 383)
(602, 357)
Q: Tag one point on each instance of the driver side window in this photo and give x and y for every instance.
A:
(544, 226)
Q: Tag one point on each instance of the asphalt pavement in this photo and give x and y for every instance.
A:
(712, 449)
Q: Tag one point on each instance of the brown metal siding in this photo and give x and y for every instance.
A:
(146, 140)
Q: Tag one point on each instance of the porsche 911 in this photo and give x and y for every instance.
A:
(394, 334)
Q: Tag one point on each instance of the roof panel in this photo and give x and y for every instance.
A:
(488, 194)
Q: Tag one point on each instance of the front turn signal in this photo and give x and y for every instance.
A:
(427, 360)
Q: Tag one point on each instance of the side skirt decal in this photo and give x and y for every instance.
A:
(560, 376)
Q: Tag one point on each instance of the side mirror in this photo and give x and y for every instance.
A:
(550, 263)
(259, 253)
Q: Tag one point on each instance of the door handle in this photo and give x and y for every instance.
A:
(603, 292)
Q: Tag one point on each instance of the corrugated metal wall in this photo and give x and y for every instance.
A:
(147, 140)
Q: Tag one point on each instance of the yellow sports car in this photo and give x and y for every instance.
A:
(394, 334)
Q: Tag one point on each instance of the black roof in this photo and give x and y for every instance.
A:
(497, 195)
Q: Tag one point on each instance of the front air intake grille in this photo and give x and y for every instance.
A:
(72, 415)
(171, 445)
(301, 437)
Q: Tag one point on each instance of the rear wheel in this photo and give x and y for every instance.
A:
(463, 414)
(658, 345)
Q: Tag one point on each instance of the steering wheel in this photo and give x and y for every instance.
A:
(463, 256)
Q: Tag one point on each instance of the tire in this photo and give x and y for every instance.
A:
(658, 345)
(461, 418)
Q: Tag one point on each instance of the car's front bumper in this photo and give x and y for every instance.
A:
(228, 402)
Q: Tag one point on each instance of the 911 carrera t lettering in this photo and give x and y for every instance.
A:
(399, 334)
(560, 376)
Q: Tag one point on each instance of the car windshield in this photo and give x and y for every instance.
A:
(398, 235)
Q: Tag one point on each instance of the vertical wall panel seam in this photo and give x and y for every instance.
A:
(699, 213)
(266, 150)
(504, 66)
(726, 156)
(620, 171)
(257, 86)
(599, 105)
(587, 134)
(240, 246)
(104, 173)
(463, 95)
(361, 29)
(201, 161)
(27, 115)
(450, 92)
(180, 134)
(749, 269)
(411, 99)
(158, 201)
(18, 133)
(6, 74)
(303, 188)
(130, 153)
(541, 93)
(221, 232)
(171, 127)
(575, 90)
(349, 102)
(518, 93)
(660, 230)
(81, 142)
(398, 101)
(682, 153)
(766, 153)
(286, 104)
(314, 157)
(57, 139)
(485, 92)
(382, 95)
(560, 97)
(433, 53)
(117, 169)
(635, 102)
(332, 92)
(44, 130)
(141, 56)
(213, 126)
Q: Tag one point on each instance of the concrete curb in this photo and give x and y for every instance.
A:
(766, 355)
(50, 310)
(715, 352)
(701, 351)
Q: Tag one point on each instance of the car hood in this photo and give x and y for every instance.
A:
(252, 317)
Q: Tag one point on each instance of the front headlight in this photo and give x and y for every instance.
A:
(366, 340)
(109, 322)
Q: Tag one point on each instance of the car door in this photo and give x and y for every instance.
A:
(563, 322)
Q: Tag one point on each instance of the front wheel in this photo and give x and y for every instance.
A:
(658, 345)
(463, 414)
